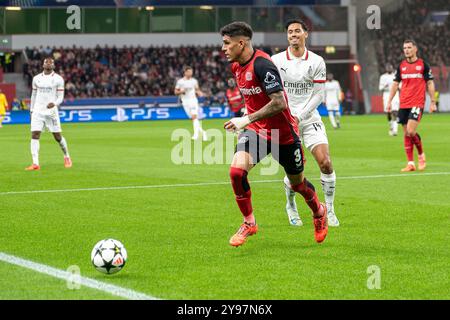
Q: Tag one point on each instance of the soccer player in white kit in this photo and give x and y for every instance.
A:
(303, 74)
(47, 95)
(332, 100)
(188, 90)
(386, 81)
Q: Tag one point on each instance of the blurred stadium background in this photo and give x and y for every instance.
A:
(133, 51)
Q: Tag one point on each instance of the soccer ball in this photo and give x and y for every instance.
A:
(109, 256)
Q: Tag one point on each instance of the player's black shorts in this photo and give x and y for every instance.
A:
(289, 156)
(409, 114)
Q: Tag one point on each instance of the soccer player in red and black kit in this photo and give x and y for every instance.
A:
(235, 99)
(269, 128)
(416, 77)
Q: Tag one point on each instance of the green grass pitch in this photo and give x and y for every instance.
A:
(177, 237)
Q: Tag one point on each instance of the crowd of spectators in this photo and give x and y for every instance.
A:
(414, 20)
(131, 71)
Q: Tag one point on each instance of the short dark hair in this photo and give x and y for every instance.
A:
(237, 28)
(301, 22)
(410, 41)
(186, 68)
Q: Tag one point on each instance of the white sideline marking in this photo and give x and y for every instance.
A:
(64, 275)
(218, 183)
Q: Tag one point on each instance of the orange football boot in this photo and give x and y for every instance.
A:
(409, 167)
(246, 230)
(422, 162)
(321, 225)
(33, 167)
(67, 162)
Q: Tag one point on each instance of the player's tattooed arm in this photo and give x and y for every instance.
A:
(276, 105)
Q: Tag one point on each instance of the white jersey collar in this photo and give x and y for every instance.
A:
(290, 56)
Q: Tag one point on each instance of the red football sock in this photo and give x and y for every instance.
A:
(243, 193)
(409, 148)
(418, 143)
(306, 189)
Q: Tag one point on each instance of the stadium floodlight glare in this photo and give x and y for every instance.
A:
(13, 8)
(206, 7)
(356, 67)
(330, 49)
(149, 8)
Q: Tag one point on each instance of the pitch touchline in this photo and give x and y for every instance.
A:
(65, 275)
(215, 183)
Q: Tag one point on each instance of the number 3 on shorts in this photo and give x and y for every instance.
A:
(298, 157)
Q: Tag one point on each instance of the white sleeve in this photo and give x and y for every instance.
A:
(59, 92)
(33, 95)
(178, 85)
(321, 73)
(315, 100)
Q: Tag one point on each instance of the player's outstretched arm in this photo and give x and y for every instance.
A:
(276, 105)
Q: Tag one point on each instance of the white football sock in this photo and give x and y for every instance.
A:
(338, 117)
(200, 128)
(35, 150)
(332, 120)
(328, 182)
(394, 126)
(63, 145)
(196, 125)
(290, 194)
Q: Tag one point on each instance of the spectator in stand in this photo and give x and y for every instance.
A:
(129, 71)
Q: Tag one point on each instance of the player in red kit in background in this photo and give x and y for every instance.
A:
(416, 77)
(269, 128)
(235, 99)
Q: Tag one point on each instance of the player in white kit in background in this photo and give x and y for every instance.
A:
(303, 74)
(332, 100)
(47, 95)
(386, 81)
(188, 90)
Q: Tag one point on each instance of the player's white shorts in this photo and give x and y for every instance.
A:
(40, 121)
(191, 108)
(332, 106)
(313, 134)
(395, 103)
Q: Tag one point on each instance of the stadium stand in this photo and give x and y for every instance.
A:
(130, 71)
